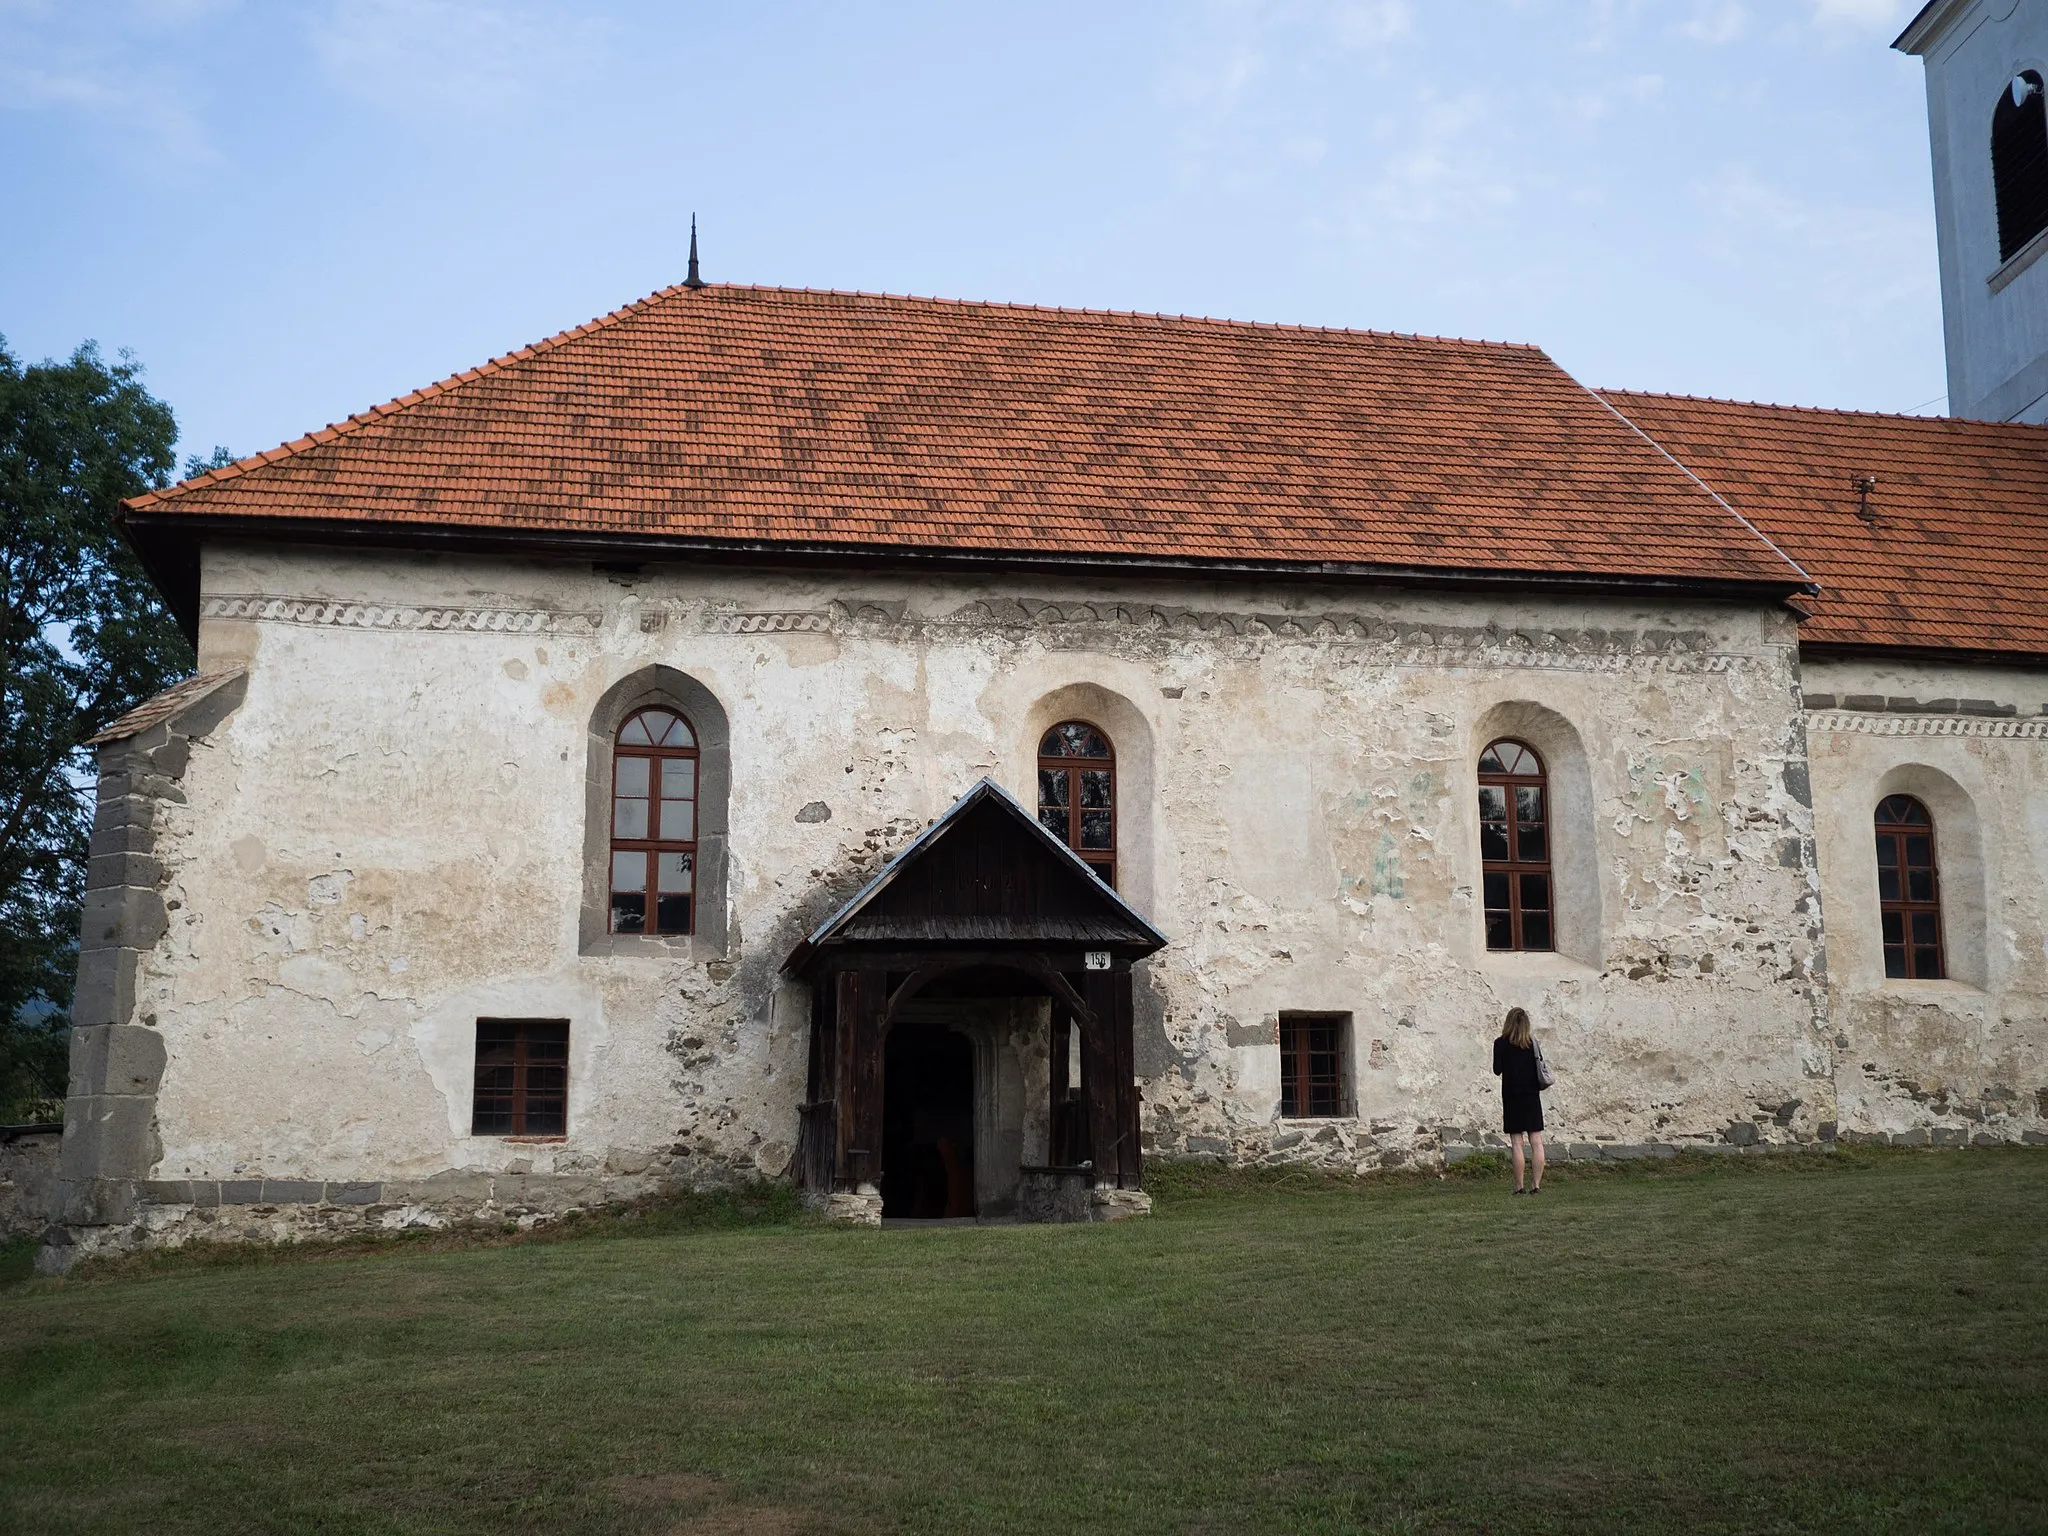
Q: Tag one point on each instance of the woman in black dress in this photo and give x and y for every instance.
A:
(1521, 1095)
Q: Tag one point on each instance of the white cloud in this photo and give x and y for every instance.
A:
(1880, 18)
(1371, 23)
(1716, 22)
(470, 57)
(54, 59)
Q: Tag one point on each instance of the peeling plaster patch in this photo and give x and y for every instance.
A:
(328, 890)
(249, 854)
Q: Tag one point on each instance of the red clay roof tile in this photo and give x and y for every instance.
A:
(873, 422)
(1955, 553)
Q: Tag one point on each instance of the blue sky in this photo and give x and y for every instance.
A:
(293, 211)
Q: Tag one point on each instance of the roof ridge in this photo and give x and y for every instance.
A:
(357, 421)
(1818, 410)
(1221, 321)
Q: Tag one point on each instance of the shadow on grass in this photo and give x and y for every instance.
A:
(764, 1205)
(761, 1204)
(1172, 1183)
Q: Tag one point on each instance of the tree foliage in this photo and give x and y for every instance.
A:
(83, 639)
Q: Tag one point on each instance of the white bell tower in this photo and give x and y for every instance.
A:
(1987, 109)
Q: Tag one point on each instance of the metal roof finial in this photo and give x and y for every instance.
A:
(693, 280)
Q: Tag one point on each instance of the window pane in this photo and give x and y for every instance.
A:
(1500, 931)
(1895, 959)
(1073, 739)
(1095, 788)
(1894, 928)
(1919, 852)
(629, 911)
(1535, 930)
(1529, 803)
(672, 914)
(1887, 884)
(629, 817)
(1919, 884)
(1054, 819)
(1496, 892)
(635, 734)
(1489, 761)
(1095, 829)
(678, 735)
(1052, 786)
(546, 1118)
(679, 820)
(1535, 893)
(629, 870)
(1887, 849)
(632, 779)
(679, 778)
(1493, 803)
(1532, 846)
(1927, 964)
(1926, 929)
(1493, 840)
(672, 873)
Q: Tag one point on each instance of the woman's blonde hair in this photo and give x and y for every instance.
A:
(1515, 1030)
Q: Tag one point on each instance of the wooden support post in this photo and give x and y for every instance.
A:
(1100, 1093)
(1130, 1170)
(1059, 1047)
(869, 1026)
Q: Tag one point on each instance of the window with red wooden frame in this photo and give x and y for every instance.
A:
(1077, 793)
(1908, 890)
(1514, 847)
(1312, 1077)
(522, 1078)
(654, 825)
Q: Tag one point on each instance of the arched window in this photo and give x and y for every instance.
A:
(654, 824)
(2019, 162)
(1077, 793)
(1908, 889)
(1514, 846)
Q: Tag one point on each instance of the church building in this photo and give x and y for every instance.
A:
(945, 755)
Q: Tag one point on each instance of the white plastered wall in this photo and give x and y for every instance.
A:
(1966, 1056)
(384, 842)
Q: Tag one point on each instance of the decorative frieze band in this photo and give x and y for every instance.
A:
(1396, 643)
(1839, 722)
(352, 615)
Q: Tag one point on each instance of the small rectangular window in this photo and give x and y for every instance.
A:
(1314, 1075)
(522, 1078)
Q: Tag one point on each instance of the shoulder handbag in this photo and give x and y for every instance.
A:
(1545, 1078)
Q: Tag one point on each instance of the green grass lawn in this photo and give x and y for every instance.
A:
(1848, 1343)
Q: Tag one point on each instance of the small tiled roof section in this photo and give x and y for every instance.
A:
(169, 704)
(868, 422)
(1953, 554)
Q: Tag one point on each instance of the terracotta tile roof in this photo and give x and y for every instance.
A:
(158, 708)
(882, 423)
(1955, 556)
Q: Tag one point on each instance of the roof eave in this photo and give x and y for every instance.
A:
(1950, 655)
(1927, 26)
(167, 544)
(984, 788)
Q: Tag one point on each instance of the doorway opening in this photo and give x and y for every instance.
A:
(927, 1123)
